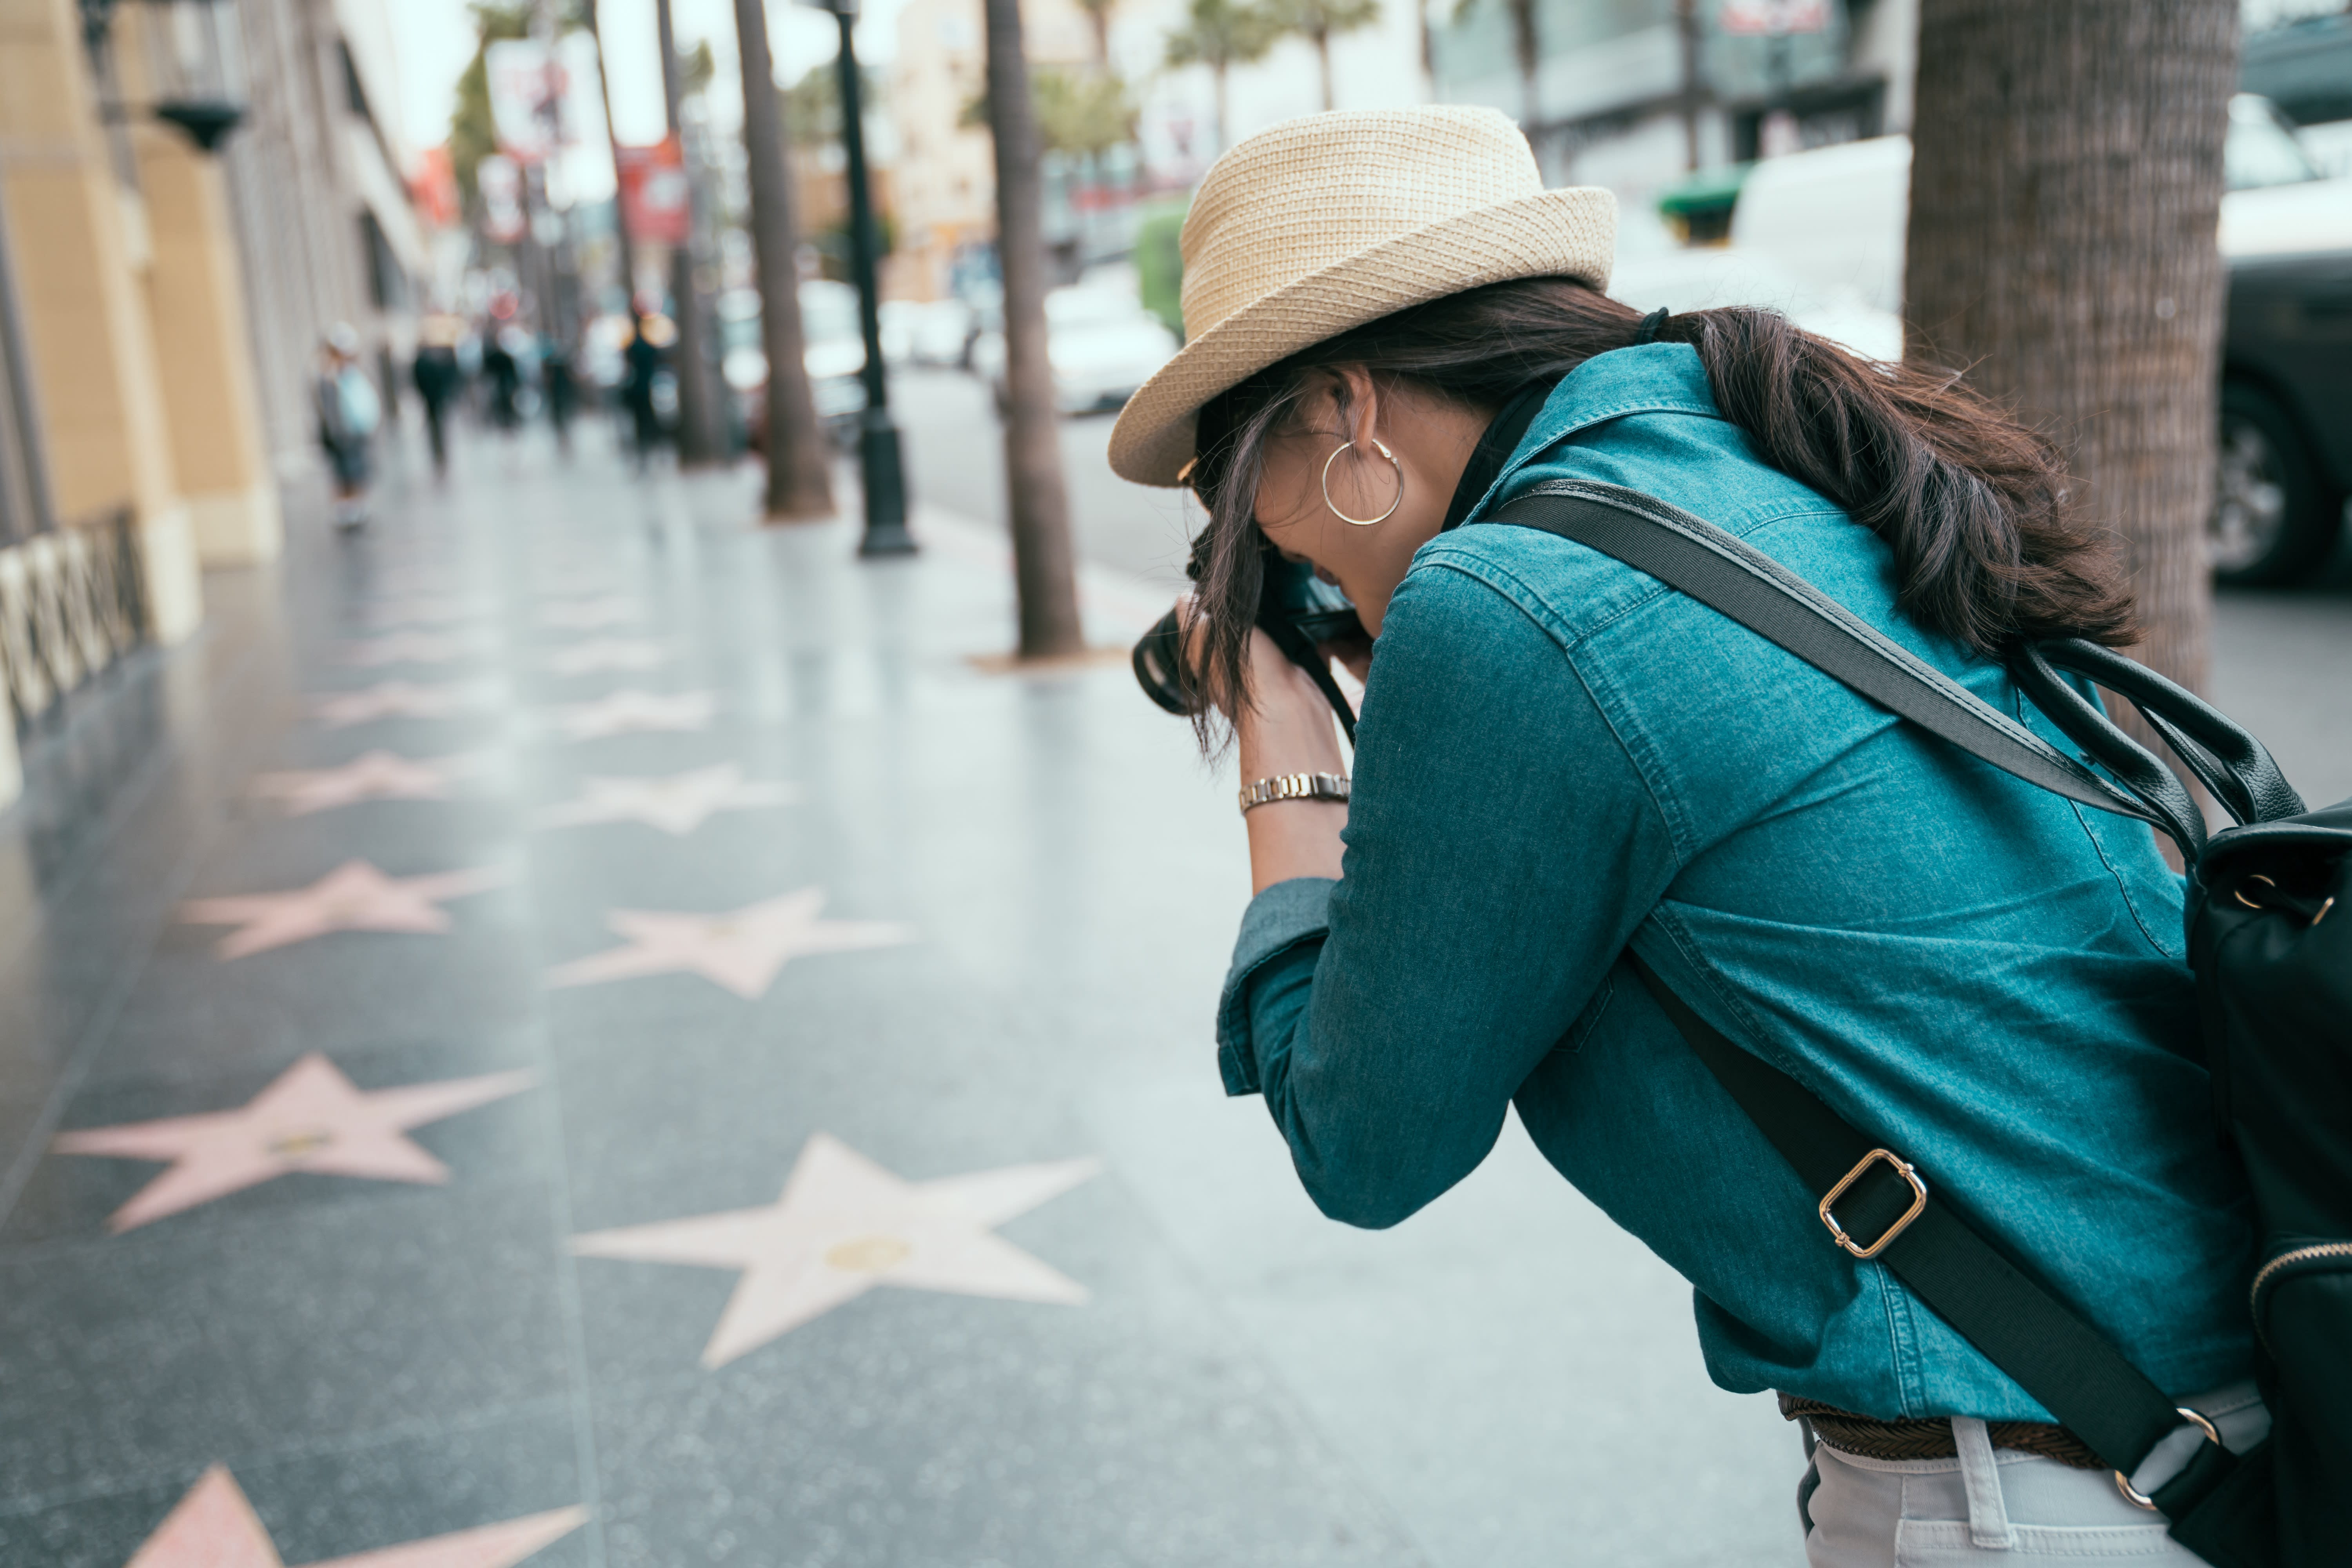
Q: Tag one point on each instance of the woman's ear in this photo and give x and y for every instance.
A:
(1360, 396)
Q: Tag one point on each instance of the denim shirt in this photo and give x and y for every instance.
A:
(1559, 758)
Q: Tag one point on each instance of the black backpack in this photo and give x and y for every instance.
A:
(2274, 979)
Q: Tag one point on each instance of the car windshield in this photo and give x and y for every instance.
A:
(828, 313)
(2262, 149)
(1088, 308)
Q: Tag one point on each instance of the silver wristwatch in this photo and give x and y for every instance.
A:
(1295, 786)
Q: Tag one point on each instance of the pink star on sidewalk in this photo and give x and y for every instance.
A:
(844, 1226)
(373, 775)
(392, 699)
(354, 896)
(587, 615)
(409, 647)
(309, 1119)
(678, 805)
(215, 1527)
(607, 653)
(628, 712)
(741, 951)
(434, 611)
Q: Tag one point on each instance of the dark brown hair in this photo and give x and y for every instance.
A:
(1973, 504)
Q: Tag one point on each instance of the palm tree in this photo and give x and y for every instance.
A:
(800, 485)
(1221, 34)
(1319, 21)
(1043, 573)
(1098, 17)
(1527, 52)
(2077, 277)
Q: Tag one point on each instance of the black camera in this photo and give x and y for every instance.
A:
(1298, 610)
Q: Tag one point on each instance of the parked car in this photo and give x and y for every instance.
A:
(940, 332)
(1101, 343)
(1825, 229)
(2286, 360)
(832, 352)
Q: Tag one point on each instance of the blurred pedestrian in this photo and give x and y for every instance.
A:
(559, 387)
(645, 362)
(1603, 844)
(437, 378)
(349, 409)
(504, 372)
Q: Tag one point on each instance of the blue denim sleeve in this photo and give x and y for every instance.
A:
(1501, 846)
(1273, 965)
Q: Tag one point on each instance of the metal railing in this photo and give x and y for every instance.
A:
(71, 603)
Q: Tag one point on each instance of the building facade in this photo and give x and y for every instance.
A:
(159, 299)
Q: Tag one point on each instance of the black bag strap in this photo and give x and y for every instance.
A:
(1742, 583)
(2065, 1363)
(1874, 1203)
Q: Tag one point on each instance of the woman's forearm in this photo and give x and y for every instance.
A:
(1289, 730)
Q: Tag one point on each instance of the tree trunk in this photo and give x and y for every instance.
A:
(2065, 195)
(1686, 36)
(799, 484)
(623, 240)
(1217, 76)
(1322, 42)
(1526, 45)
(699, 438)
(1038, 502)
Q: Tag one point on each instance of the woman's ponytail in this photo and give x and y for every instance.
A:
(1972, 503)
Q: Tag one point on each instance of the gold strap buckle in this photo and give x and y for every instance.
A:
(2141, 1500)
(1919, 1204)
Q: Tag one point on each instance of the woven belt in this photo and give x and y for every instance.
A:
(1931, 1438)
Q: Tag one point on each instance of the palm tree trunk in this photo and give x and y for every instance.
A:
(625, 242)
(700, 437)
(1527, 43)
(1322, 42)
(800, 485)
(1038, 502)
(2065, 193)
(1217, 74)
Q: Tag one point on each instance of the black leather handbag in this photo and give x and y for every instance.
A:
(2274, 977)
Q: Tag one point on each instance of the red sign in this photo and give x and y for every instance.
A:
(1773, 18)
(654, 192)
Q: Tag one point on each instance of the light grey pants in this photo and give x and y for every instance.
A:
(1996, 1509)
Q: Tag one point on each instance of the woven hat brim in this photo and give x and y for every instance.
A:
(1566, 233)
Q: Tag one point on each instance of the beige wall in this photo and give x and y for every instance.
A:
(77, 235)
(203, 344)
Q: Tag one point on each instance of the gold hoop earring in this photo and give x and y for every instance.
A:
(1364, 521)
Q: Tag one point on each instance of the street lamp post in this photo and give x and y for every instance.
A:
(880, 469)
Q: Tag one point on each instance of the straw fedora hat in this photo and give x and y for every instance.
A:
(1329, 221)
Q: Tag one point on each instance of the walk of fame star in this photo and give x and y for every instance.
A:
(422, 612)
(373, 775)
(678, 803)
(608, 653)
(393, 699)
(311, 1117)
(409, 647)
(741, 951)
(354, 896)
(215, 1527)
(587, 615)
(844, 1226)
(631, 711)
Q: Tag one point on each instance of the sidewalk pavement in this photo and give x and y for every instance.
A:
(571, 1028)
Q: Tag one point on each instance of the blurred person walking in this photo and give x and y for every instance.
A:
(437, 378)
(348, 409)
(559, 387)
(505, 375)
(1606, 853)
(644, 365)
